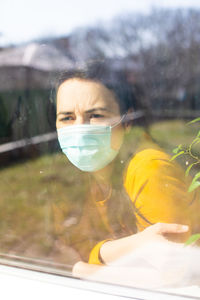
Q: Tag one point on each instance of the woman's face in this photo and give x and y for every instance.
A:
(81, 101)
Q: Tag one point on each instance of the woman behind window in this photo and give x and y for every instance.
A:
(127, 195)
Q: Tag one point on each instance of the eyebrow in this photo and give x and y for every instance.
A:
(96, 109)
(66, 113)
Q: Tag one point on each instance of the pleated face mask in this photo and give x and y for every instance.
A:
(88, 147)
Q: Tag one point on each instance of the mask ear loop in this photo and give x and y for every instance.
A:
(134, 115)
(117, 123)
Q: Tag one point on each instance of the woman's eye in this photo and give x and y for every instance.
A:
(95, 116)
(67, 118)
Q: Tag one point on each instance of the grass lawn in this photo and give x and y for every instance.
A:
(36, 198)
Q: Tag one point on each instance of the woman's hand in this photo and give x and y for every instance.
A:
(158, 233)
(163, 232)
(82, 269)
(137, 277)
(147, 258)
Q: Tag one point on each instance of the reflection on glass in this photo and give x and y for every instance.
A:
(113, 206)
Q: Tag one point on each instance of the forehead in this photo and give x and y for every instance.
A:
(85, 94)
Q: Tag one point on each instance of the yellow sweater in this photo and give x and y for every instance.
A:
(158, 189)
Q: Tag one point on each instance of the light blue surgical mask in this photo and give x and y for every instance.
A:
(88, 147)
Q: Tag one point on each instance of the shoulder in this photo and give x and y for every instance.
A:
(151, 164)
(148, 158)
(149, 155)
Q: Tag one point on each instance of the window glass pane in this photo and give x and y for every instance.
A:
(99, 141)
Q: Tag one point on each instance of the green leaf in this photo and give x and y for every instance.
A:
(188, 169)
(196, 140)
(197, 176)
(193, 186)
(176, 155)
(194, 121)
(176, 150)
(192, 239)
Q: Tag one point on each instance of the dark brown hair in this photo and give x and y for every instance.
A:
(127, 94)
